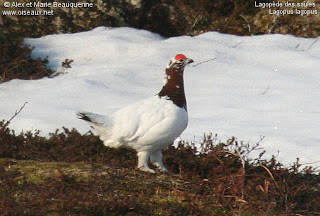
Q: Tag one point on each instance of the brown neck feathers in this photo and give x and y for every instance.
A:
(174, 89)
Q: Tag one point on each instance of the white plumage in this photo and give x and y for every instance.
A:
(150, 125)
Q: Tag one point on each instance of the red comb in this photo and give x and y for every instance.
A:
(180, 56)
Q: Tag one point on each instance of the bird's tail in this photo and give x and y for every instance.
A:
(94, 119)
(86, 116)
(102, 124)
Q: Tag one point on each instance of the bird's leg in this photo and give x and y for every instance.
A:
(156, 159)
(143, 158)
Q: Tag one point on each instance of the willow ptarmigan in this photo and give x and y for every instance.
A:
(150, 125)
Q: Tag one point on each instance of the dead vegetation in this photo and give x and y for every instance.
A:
(72, 174)
(170, 18)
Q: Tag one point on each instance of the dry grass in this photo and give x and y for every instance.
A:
(70, 173)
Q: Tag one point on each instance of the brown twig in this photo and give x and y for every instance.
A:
(248, 23)
(243, 169)
(271, 175)
(15, 114)
(194, 24)
(313, 43)
(204, 62)
(235, 46)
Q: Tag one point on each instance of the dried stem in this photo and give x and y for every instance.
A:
(15, 114)
(194, 24)
(271, 175)
(204, 62)
(248, 24)
(313, 43)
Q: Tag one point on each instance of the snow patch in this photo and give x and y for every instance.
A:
(257, 86)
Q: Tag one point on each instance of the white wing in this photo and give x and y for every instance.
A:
(151, 123)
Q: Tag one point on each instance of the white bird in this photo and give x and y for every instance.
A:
(150, 125)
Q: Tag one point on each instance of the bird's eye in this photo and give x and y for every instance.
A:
(181, 60)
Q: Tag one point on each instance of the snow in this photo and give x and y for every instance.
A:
(257, 85)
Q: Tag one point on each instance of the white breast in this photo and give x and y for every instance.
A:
(148, 125)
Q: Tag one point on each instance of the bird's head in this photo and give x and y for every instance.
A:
(179, 61)
(173, 86)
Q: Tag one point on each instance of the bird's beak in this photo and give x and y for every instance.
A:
(189, 61)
